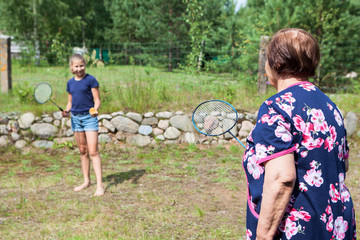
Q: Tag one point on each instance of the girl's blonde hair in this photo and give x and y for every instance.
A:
(77, 56)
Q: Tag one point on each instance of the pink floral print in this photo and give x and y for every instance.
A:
(297, 120)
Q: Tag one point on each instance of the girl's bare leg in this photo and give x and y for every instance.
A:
(80, 138)
(92, 141)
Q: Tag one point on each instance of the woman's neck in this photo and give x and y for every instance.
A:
(285, 82)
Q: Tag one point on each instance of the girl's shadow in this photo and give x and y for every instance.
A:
(116, 178)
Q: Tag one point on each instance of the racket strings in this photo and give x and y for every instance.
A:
(214, 117)
(42, 93)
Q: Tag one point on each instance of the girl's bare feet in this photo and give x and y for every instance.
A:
(81, 187)
(99, 191)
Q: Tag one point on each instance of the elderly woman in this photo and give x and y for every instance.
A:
(297, 154)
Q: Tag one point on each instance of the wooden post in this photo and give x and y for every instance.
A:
(5, 64)
(264, 41)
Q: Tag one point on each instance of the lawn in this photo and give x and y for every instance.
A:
(161, 192)
(158, 192)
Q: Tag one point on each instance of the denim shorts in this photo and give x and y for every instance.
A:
(84, 122)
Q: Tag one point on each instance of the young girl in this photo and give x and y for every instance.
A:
(83, 94)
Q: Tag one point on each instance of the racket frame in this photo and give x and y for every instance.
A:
(49, 96)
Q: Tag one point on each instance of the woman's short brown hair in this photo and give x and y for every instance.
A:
(293, 51)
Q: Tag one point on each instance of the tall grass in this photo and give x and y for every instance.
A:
(142, 89)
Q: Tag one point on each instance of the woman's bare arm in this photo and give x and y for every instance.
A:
(280, 176)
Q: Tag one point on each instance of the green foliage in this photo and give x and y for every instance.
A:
(23, 92)
(59, 48)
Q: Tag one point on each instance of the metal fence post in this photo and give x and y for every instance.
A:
(264, 41)
(5, 64)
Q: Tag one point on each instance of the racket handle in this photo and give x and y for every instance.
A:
(237, 139)
(56, 105)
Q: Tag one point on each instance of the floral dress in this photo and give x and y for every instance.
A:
(303, 120)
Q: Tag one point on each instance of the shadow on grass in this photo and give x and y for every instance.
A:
(116, 178)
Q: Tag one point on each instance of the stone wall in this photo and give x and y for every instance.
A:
(132, 128)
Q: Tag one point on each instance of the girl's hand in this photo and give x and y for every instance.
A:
(65, 113)
(93, 112)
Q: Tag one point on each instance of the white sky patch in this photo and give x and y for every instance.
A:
(239, 3)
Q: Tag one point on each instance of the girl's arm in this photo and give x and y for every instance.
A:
(280, 176)
(65, 113)
(97, 103)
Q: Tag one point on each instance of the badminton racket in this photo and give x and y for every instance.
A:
(214, 118)
(42, 94)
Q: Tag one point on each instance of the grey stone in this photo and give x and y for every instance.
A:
(3, 119)
(138, 140)
(13, 126)
(43, 144)
(160, 137)
(64, 140)
(182, 122)
(189, 137)
(158, 131)
(3, 130)
(241, 116)
(15, 136)
(164, 115)
(134, 116)
(104, 116)
(103, 130)
(163, 124)
(20, 144)
(120, 136)
(149, 114)
(179, 113)
(120, 113)
(104, 138)
(108, 125)
(145, 130)
(69, 133)
(48, 119)
(125, 124)
(26, 120)
(57, 115)
(350, 123)
(68, 122)
(150, 121)
(233, 131)
(246, 127)
(44, 130)
(4, 141)
(251, 116)
(57, 123)
(172, 133)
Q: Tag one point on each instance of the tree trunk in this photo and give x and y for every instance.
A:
(82, 24)
(264, 41)
(170, 23)
(200, 56)
(37, 44)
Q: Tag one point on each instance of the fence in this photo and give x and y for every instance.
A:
(337, 60)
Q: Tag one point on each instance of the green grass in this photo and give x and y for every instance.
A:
(143, 89)
(152, 193)
(133, 88)
(177, 200)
